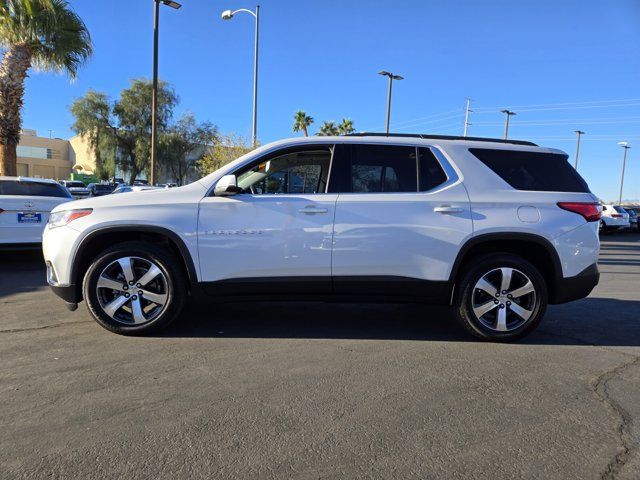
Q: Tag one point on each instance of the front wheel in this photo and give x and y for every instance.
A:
(134, 288)
(501, 297)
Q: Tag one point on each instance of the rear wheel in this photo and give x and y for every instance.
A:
(134, 288)
(502, 297)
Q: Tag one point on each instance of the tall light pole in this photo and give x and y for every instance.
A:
(228, 15)
(392, 77)
(154, 96)
(626, 147)
(579, 133)
(508, 113)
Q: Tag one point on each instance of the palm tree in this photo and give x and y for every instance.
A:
(45, 34)
(346, 126)
(302, 121)
(328, 129)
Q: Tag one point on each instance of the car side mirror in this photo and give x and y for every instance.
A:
(227, 186)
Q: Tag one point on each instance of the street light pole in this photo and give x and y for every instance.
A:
(579, 133)
(626, 147)
(154, 95)
(392, 77)
(508, 113)
(228, 15)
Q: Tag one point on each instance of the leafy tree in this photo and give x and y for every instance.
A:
(184, 144)
(93, 122)
(45, 34)
(346, 127)
(225, 150)
(124, 125)
(133, 116)
(302, 122)
(328, 129)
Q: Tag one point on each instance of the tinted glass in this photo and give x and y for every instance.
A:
(537, 171)
(619, 209)
(102, 188)
(431, 173)
(33, 189)
(383, 168)
(75, 185)
(295, 172)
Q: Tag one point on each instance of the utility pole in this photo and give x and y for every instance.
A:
(392, 77)
(466, 117)
(579, 133)
(626, 147)
(508, 113)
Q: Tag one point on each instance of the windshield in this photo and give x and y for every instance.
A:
(619, 209)
(75, 185)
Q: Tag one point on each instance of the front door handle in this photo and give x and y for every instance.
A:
(310, 209)
(448, 209)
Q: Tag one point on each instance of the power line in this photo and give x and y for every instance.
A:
(586, 104)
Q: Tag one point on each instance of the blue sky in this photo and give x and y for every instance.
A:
(561, 65)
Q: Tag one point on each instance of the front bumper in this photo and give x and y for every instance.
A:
(577, 287)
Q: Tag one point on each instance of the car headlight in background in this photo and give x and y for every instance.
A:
(60, 219)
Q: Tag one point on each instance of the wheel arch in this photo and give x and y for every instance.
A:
(533, 248)
(98, 240)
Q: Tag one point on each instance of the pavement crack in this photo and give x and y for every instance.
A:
(600, 387)
(43, 327)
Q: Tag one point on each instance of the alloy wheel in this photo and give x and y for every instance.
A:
(503, 299)
(132, 290)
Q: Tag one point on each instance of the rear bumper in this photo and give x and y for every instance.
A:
(577, 287)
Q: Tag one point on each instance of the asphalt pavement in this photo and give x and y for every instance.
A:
(320, 390)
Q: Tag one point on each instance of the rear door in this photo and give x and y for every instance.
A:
(25, 208)
(401, 216)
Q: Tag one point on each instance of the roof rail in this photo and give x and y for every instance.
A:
(428, 136)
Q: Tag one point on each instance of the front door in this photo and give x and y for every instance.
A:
(401, 217)
(276, 235)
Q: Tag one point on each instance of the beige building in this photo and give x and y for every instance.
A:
(55, 158)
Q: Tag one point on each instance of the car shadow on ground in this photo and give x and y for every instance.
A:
(591, 321)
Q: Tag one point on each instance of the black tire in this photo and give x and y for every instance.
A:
(173, 288)
(466, 293)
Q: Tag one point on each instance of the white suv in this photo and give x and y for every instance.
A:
(497, 229)
(614, 217)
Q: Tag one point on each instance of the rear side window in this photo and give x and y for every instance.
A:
(33, 189)
(384, 169)
(536, 171)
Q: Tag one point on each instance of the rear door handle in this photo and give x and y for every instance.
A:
(310, 209)
(448, 209)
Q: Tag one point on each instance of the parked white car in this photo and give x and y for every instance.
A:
(25, 204)
(474, 223)
(77, 188)
(614, 217)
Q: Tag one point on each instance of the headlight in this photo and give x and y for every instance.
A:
(60, 219)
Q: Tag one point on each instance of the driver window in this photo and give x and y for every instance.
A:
(295, 172)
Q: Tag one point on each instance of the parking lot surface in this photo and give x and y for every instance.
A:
(320, 390)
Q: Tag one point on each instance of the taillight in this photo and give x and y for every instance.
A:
(616, 215)
(589, 210)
